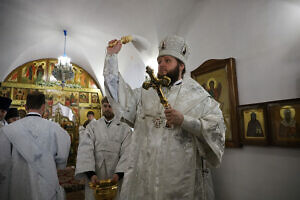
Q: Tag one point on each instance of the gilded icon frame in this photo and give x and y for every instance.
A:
(254, 124)
(284, 132)
(221, 73)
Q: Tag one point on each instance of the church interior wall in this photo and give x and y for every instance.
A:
(263, 36)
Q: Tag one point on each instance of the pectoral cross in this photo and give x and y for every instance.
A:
(157, 83)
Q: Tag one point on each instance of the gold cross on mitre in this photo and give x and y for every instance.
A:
(156, 84)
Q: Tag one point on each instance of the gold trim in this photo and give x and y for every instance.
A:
(33, 86)
(89, 105)
(124, 40)
(18, 102)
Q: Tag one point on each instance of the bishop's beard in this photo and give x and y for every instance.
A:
(108, 115)
(173, 75)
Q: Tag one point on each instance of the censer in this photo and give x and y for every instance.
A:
(140, 43)
(104, 189)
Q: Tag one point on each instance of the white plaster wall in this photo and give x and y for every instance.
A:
(258, 173)
(264, 37)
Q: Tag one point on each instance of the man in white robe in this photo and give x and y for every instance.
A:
(91, 117)
(171, 162)
(12, 115)
(32, 149)
(4, 107)
(102, 149)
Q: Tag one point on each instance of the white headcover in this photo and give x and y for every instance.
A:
(174, 46)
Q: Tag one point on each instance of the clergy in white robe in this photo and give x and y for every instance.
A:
(12, 115)
(168, 162)
(102, 151)
(3, 122)
(32, 149)
(4, 107)
(91, 117)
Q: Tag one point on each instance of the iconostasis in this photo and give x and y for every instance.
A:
(66, 105)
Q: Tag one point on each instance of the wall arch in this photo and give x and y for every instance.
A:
(80, 95)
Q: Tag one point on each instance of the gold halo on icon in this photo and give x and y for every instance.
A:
(283, 108)
(211, 79)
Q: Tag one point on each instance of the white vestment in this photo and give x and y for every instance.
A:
(102, 149)
(168, 163)
(3, 123)
(32, 149)
(82, 130)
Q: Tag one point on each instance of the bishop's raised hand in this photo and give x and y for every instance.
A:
(114, 49)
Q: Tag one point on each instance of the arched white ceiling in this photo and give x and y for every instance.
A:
(262, 35)
(33, 29)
